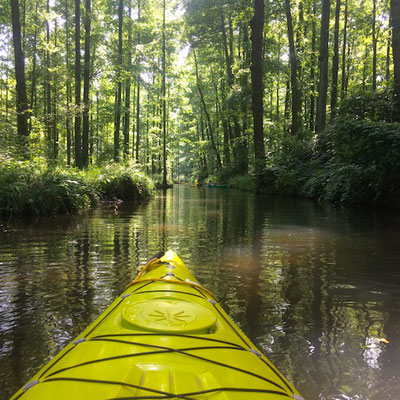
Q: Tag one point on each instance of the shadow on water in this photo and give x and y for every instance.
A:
(317, 288)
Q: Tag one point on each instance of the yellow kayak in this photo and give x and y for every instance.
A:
(165, 337)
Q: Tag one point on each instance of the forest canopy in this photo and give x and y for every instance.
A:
(294, 96)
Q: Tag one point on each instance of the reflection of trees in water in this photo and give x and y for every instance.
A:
(290, 273)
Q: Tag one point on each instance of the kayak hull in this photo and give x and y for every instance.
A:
(165, 337)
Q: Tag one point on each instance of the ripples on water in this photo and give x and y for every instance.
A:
(315, 287)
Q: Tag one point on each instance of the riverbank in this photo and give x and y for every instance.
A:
(32, 188)
(356, 160)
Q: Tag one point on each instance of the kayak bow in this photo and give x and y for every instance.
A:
(165, 337)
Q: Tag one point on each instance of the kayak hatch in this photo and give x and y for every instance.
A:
(165, 337)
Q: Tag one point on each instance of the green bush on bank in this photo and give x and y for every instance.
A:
(32, 188)
(120, 182)
(357, 161)
(242, 182)
(354, 161)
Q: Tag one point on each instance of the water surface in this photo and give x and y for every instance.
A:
(317, 288)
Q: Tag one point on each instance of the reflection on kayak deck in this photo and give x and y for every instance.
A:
(315, 287)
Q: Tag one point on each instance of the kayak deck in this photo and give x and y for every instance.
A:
(165, 337)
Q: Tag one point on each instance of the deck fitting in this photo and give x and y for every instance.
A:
(30, 384)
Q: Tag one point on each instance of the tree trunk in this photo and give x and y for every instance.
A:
(239, 147)
(22, 100)
(203, 157)
(68, 83)
(387, 67)
(214, 147)
(312, 70)
(364, 76)
(374, 45)
(323, 67)
(77, 128)
(164, 103)
(225, 124)
(117, 122)
(48, 114)
(138, 92)
(128, 86)
(395, 23)
(86, 87)
(344, 51)
(54, 115)
(257, 27)
(335, 62)
(296, 99)
(33, 79)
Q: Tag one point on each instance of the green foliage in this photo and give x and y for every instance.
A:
(32, 188)
(158, 181)
(357, 162)
(373, 106)
(122, 182)
(242, 182)
(292, 165)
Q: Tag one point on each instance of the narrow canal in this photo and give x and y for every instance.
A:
(317, 288)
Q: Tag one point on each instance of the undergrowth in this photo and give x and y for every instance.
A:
(33, 188)
(356, 159)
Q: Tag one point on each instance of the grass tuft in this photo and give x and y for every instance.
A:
(33, 188)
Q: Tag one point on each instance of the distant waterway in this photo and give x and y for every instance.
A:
(316, 287)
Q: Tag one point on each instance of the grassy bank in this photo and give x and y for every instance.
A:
(32, 188)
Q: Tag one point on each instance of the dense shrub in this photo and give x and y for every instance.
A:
(357, 161)
(32, 188)
(293, 163)
(242, 182)
(371, 106)
(121, 182)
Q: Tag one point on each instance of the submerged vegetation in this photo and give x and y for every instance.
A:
(32, 188)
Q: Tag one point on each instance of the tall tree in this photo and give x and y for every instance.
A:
(343, 88)
(239, 147)
(374, 45)
(68, 83)
(128, 85)
(47, 86)
(296, 98)
(22, 100)
(312, 69)
(323, 67)
(395, 22)
(54, 105)
(78, 71)
(117, 122)
(207, 114)
(138, 90)
(335, 62)
(86, 87)
(164, 102)
(257, 28)
(34, 62)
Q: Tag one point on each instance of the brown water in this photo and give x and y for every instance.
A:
(317, 288)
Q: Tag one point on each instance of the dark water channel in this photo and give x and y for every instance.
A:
(317, 288)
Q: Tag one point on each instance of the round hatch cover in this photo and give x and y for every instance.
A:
(169, 316)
